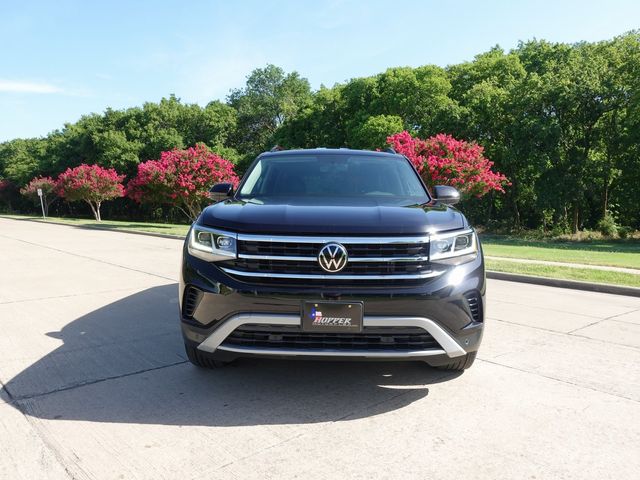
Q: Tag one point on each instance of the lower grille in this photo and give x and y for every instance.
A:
(475, 305)
(394, 339)
(361, 283)
(190, 301)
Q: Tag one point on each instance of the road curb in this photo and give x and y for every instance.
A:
(560, 283)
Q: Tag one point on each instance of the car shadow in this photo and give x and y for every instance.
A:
(125, 363)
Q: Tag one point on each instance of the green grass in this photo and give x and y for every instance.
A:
(166, 228)
(566, 273)
(616, 253)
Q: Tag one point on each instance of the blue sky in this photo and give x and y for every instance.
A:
(61, 59)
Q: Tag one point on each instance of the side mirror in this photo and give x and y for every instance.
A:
(446, 194)
(220, 191)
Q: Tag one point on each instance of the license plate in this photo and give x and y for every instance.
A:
(332, 317)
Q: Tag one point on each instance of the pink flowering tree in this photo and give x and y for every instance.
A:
(90, 183)
(444, 160)
(7, 192)
(181, 178)
(47, 185)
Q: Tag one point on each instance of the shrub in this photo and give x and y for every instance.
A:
(607, 225)
(90, 183)
(625, 232)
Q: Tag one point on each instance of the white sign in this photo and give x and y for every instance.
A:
(41, 203)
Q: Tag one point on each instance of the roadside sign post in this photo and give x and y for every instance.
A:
(41, 202)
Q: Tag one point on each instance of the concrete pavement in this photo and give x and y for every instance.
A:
(95, 383)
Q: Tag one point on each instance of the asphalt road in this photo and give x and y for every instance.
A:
(95, 383)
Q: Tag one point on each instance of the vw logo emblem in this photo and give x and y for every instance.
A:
(332, 257)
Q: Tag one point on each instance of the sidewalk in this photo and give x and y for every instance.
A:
(633, 271)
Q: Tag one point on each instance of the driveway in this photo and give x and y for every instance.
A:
(96, 385)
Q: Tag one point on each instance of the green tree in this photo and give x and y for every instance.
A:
(620, 134)
(21, 159)
(268, 100)
(320, 124)
(373, 133)
(579, 89)
(490, 91)
(419, 96)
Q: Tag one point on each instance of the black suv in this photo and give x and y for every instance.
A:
(332, 254)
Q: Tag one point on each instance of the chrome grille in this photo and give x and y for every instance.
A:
(278, 259)
(256, 248)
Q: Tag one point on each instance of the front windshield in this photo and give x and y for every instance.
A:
(341, 175)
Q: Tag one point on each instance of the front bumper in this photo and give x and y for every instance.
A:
(439, 307)
(214, 341)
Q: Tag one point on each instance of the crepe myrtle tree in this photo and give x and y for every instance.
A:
(7, 192)
(181, 178)
(90, 183)
(444, 160)
(47, 185)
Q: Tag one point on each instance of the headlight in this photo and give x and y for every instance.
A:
(453, 248)
(212, 245)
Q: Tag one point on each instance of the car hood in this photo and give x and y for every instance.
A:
(303, 217)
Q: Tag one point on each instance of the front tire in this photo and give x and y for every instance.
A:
(201, 360)
(460, 363)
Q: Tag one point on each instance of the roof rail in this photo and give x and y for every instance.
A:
(390, 150)
(276, 148)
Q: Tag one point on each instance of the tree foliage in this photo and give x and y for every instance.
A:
(92, 184)
(268, 100)
(47, 185)
(443, 160)
(374, 131)
(7, 193)
(21, 159)
(181, 178)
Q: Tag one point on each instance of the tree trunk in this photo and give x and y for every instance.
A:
(98, 211)
(48, 203)
(516, 213)
(514, 205)
(192, 210)
(489, 212)
(610, 150)
(187, 213)
(576, 218)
